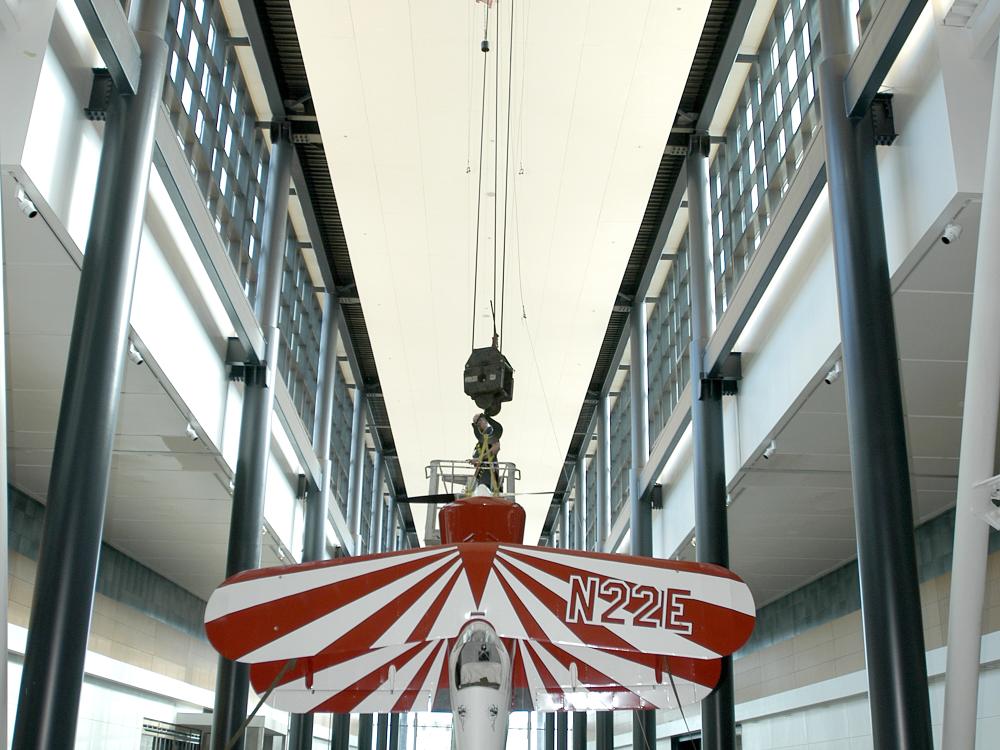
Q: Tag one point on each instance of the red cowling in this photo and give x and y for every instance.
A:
(481, 519)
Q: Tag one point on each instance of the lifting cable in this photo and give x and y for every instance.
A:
(485, 47)
(498, 256)
(506, 177)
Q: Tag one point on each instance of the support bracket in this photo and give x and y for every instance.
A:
(723, 380)
(883, 122)
(242, 368)
(101, 90)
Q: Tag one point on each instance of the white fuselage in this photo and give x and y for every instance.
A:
(480, 689)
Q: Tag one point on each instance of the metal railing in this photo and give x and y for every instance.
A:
(457, 476)
(773, 123)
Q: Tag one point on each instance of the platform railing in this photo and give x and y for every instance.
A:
(459, 477)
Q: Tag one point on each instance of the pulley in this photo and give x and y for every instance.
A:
(489, 379)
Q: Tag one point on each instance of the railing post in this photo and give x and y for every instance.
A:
(711, 529)
(880, 477)
(52, 675)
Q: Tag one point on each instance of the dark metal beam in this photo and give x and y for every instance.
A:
(880, 477)
(250, 481)
(717, 710)
(52, 676)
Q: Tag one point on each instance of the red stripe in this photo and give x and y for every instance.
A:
(238, 633)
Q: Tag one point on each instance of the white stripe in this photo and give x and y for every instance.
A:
(499, 610)
(717, 590)
(245, 594)
(454, 611)
(312, 637)
(400, 630)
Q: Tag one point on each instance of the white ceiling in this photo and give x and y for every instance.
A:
(397, 87)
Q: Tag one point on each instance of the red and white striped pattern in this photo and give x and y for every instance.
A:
(545, 677)
(586, 630)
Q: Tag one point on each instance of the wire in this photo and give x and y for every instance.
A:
(496, 165)
(545, 399)
(479, 197)
(506, 177)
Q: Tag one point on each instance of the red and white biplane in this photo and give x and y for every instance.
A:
(482, 625)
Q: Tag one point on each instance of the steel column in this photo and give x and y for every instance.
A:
(581, 502)
(549, 732)
(603, 473)
(394, 732)
(711, 529)
(562, 731)
(300, 728)
(880, 478)
(377, 503)
(640, 510)
(389, 534)
(364, 732)
(63, 599)
(579, 730)
(382, 732)
(4, 559)
(250, 482)
(605, 730)
(356, 472)
(340, 731)
(976, 463)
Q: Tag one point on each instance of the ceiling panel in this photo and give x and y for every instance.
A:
(594, 92)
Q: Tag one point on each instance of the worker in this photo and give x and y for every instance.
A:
(488, 432)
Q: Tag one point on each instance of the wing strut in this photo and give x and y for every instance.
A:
(289, 665)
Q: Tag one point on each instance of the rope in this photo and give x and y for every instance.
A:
(506, 177)
(479, 197)
(496, 168)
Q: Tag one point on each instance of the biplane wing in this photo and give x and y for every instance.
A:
(545, 677)
(537, 594)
